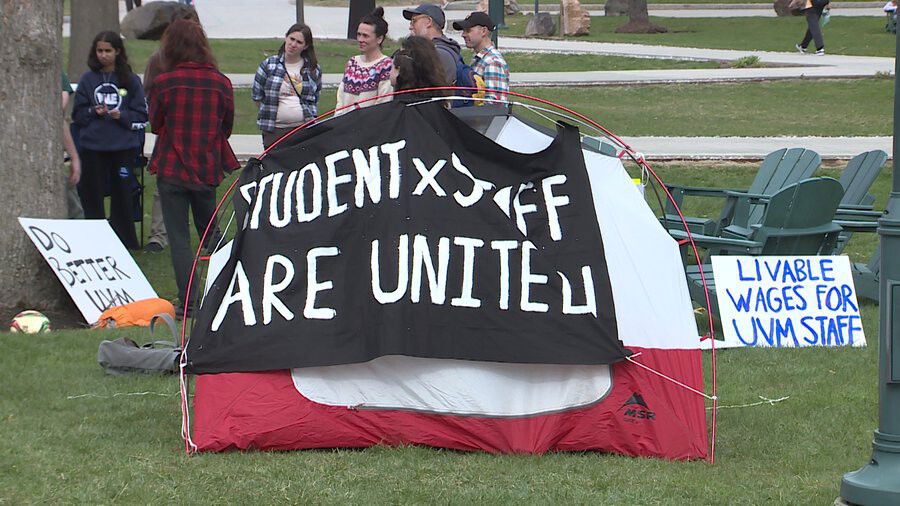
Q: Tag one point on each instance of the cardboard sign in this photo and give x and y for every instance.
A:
(90, 261)
(787, 301)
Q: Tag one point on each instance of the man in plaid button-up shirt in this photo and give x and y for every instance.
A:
(488, 62)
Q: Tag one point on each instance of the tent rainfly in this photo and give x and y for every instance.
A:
(401, 278)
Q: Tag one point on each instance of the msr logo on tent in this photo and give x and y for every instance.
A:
(636, 409)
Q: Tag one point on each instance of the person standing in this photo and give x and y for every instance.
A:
(192, 113)
(813, 12)
(428, 21)
(73, 202)
(157, 240)
(367, 75)
(109, 111)
(287, 85)
(487, 62)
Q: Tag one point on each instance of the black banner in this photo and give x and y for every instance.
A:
(399, 230)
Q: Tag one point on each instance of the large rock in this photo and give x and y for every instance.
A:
(541, 25)
(149, 21)
(615, 8)
(510, 7)
(573, 18)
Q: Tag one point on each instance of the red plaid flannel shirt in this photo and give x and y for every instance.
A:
(192, 113)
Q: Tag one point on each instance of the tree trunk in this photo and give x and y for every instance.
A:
(34, 179)
(639, 20)
(89, 17)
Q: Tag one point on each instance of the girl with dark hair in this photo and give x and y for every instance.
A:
(287, 85)
(110, 113)
(192, 114)
(417, 65)
(367, 75)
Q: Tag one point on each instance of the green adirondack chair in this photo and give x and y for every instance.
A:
(854, 213)
(866, 276)
(856, 206)
(798, 220)
(778, 170)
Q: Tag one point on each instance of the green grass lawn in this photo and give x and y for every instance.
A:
(843, 107)
(843, 35)
(73, 435)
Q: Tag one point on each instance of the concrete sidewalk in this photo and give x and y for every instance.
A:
(694, 10)
(688, 9)
(228, 18)
(678, 148)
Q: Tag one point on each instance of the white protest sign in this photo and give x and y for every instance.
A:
(90, 261)
(787, 301)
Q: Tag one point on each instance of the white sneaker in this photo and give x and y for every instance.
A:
(800, 48)
(820, 52)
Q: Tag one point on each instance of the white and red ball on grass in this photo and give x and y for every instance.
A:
(30, 322)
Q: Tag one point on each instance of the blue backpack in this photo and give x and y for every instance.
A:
(465, 77)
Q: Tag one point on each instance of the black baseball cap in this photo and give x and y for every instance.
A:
(475, 19)
(430, 10)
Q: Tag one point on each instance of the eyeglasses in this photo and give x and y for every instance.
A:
(417, 18)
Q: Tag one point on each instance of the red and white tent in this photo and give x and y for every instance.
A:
(650, 404)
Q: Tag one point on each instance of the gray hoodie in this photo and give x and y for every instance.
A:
(449, 52)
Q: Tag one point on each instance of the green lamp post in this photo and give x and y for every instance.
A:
(878, 482)
(496, 12)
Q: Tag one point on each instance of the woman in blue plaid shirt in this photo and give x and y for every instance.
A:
(287, 85)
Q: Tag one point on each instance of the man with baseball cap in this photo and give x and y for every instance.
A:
(428, 21)
(488, 62)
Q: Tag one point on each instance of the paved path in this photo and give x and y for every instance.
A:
(700, 10)
(268, 18)
(680, 148)
(748, 13)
